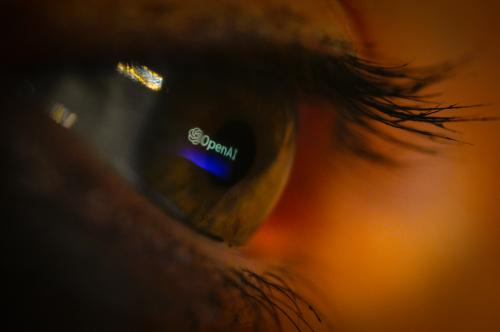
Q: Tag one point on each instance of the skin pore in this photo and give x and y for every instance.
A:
(382, 247)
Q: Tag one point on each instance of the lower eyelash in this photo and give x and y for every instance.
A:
(269, 294)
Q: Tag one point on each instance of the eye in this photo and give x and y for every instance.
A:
(211, 140)
(201, 121)
(213, 151)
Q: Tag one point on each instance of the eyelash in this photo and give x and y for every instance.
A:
(368, 93)
(270, 294)
(363, 93)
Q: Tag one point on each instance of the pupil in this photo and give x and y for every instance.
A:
(240, 137)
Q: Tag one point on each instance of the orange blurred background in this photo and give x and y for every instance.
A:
(415, 248)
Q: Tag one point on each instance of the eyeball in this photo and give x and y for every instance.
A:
(213, 151)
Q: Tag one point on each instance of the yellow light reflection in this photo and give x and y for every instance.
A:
(142, 75)
(63, 116)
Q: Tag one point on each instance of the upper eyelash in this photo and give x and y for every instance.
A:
(369, 93)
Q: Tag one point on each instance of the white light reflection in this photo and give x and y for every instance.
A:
(142, 75)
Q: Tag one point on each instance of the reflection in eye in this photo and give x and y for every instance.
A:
(141, 74)
(63, 116)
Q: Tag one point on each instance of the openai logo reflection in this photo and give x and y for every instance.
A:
(197, 137)
(218, 163)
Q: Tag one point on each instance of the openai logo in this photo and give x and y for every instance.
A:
(197, 137)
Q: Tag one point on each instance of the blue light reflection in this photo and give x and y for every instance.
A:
(213, 164)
